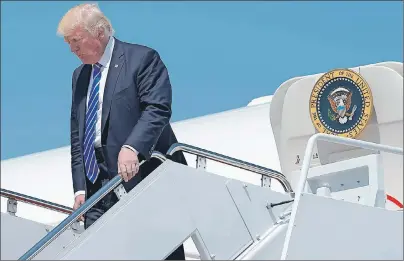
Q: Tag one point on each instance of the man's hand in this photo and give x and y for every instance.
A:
(78, 201)
(128, 164)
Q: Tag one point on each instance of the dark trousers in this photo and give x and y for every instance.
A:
(110, 199)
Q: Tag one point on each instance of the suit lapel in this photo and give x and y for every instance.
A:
(115, 68)
(82, 87)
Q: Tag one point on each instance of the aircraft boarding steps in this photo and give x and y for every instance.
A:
(228, 219)
(21, 240)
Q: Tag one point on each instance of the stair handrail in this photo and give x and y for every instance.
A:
(336, 140)
(69, 220)
(270, 173)
(19, 197)
(301, 185)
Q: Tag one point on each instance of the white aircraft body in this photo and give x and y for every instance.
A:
(273, 132)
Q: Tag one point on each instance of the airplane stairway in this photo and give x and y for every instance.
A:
(20, 242)
(232, 220)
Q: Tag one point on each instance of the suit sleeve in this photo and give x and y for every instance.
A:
(155, 95)
(77, 166)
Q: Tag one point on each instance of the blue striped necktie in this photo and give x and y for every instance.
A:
(90, 161)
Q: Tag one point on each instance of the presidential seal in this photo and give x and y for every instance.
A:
(341, 103)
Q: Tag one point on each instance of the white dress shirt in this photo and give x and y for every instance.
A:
(105, 62)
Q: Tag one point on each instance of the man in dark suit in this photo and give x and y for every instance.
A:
(121, 107)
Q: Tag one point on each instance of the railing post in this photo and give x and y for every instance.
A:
(120, 191)
(12, 206)
(200, 162)
(265, 181)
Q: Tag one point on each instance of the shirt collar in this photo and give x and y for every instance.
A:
(106, 57)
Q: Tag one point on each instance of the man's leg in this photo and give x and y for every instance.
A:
(102, 206)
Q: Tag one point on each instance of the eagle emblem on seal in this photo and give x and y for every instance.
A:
(340, 102)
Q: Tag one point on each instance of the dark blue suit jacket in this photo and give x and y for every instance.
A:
(136, 110)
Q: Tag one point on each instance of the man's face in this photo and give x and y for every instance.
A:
(87, 47)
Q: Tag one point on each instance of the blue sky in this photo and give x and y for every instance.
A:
(220, 55)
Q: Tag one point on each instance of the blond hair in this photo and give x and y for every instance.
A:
(89, 17)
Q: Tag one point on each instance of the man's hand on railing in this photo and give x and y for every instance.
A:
(78, 201)
(128, 163)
